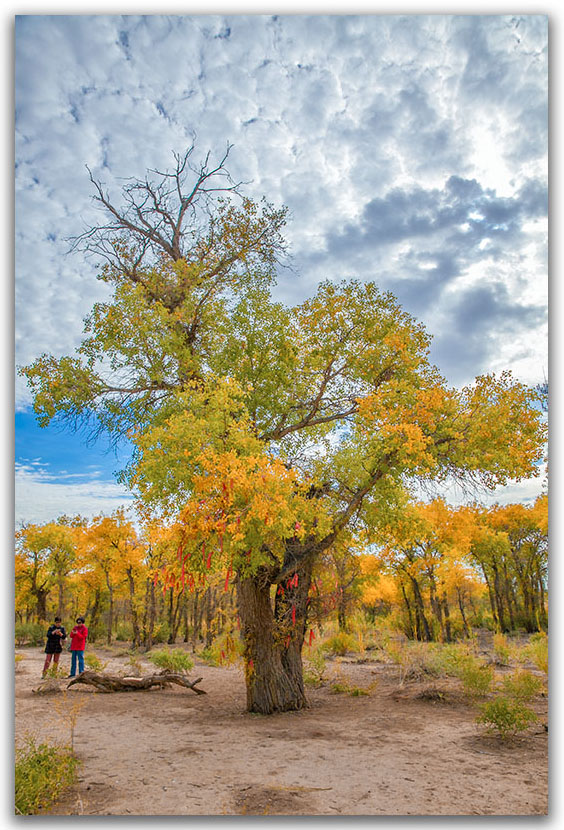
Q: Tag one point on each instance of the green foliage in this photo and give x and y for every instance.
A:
(42, 773)
(477, 678)
(172, 660)
(124, 632)
(93, 662)
(161, 633)
(505, 716)
(340, 644)
(33, 634)
(537, 651)
(415, 660)
(453, 657)
(341, 686)
(314, 667)
(522, 686)
(55, 671)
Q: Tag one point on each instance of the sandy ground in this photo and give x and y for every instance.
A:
(401, 750)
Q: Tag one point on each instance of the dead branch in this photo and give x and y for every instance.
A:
(116, 683)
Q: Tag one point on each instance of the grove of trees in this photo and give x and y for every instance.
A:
(269, 440)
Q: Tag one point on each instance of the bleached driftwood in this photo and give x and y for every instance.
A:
(115, 683)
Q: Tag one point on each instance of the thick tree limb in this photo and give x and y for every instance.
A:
(115, 683)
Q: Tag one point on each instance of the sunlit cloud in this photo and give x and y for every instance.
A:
(411, 150)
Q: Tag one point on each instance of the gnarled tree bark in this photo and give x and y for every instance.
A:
(115, 683)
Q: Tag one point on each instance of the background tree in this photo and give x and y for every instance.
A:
(44, 559)
(261, 431)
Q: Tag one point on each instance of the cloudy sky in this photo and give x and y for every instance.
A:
(411, 150)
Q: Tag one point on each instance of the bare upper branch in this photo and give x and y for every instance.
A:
(157, 210)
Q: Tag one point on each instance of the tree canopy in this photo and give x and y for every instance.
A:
(262, 432)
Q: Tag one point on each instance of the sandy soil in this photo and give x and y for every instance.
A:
(409, 750)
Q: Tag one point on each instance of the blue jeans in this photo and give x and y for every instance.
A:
(74, 655)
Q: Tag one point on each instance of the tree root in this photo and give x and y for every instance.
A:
(115, 683)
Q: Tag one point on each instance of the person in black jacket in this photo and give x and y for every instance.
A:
(55, 636)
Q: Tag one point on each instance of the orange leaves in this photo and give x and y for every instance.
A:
(243, 502)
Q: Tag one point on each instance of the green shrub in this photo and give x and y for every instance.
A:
(134, 665)
(476, 677)
(56, 671)
(173, 660)
(341, 686)
(537, 651)
(453, 657)
(340, 644)
(522, 686)
(33, 634)
(414, 660)
(505, 716)
(314, 667)
(161, 633)
(92, 661)
(124, 632)
(42, 773)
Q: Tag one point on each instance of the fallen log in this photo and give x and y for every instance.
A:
(116, 683)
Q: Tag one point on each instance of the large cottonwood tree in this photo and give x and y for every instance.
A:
(262, 432)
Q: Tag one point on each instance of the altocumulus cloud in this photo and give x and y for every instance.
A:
(410, 149)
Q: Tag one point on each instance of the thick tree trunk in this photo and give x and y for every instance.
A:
(272, 685)
(291, 613)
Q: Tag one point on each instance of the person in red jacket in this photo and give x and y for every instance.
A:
(78, 644)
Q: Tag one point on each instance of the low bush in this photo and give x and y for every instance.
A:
(477, 678)
(537, 651)
(505, 716)
(173, 660)
(341, 686)
(161, 633)
(92, 661)
(522, 685)
(42, 773)
(314, 667)
(340, 643)
(415, 660)
(124, 632)
(33, 634)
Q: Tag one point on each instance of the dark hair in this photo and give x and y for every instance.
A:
(57, 619)
(80, 619)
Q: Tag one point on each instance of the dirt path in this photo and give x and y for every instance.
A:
(170, 752)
